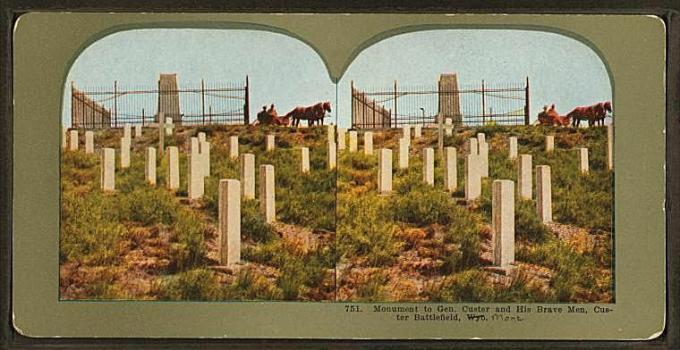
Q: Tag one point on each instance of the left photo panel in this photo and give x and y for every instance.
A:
(198, 165)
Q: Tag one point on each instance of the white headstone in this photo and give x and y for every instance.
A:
(549, 143)
(385, 171)
(201, 137)
(108, 169)
(543, 193)
(172, 181)
(150, 166)
(353, 141)
(583, 158)
(229, 219)
(524, 176)
(89, 142)
(138, 131)
(248, 175)
(73, 140)
(428, 166)
(503, 222)
(270, 142)
(233, 147)
(195, 173)
(473, 180)
(403, 153)
(512, 148)
(124, 152)
(304, 160)
(450, 169)
(368, 143)
(267, 193)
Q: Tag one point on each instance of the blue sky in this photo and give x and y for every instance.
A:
(288, 73)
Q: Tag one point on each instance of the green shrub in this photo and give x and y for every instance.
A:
(292, 279)
(188, 250)
(191, 285)
(90, 229)
(366, 230)
(469, 285)
(361, 161)
(519, 291)
(78, 160)
(425, 206)
(374, 288)
(572, 270)
(148, 206)
(298, 271)
(528, 226)
(253, 225)
(251, 286)
(309, 201)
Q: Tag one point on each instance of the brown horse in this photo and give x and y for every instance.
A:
(594, 114)
(312, 114)
(603, 108)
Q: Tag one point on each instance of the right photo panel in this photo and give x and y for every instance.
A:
(475, 165)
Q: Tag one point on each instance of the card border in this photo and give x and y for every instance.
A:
(672, 162)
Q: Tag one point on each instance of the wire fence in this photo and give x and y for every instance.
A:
(117, 105)
(469, 105)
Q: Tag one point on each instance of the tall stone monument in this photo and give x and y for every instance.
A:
(168, 98)
(449, 97)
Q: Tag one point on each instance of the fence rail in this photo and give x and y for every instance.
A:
(469, 105)
(207, 103)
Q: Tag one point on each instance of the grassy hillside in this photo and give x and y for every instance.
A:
(143, 242)
(417, 244)
(421, 243)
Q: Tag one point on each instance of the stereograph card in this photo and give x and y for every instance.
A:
(339, 176)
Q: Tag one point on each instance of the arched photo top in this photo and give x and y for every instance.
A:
(281, 69)
(561, 70)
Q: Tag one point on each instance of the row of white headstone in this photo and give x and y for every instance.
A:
(198, 167)
(230, 190)
(230, 193)
(229, 213)
(503, 191)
